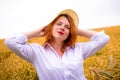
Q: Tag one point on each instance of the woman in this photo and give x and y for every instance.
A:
(60, 57)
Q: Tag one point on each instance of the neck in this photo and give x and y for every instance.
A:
(57, 45)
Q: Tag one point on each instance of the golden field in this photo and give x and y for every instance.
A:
(104, 65)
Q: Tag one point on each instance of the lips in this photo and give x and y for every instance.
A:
(60, 32)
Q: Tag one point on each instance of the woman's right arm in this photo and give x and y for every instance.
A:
(40, 32)
(19, 43)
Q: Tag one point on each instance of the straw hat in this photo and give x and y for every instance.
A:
(72, 14)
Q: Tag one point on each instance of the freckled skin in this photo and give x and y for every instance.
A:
(61, 29)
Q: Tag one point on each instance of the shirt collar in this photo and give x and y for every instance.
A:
(47, 45)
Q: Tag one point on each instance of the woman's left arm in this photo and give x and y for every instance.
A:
(86, 33)
(98, 41)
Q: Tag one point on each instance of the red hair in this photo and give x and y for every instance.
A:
(70, 41)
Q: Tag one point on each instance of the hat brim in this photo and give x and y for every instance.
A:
(72, 14)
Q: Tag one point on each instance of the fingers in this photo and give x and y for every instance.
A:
(43, 31)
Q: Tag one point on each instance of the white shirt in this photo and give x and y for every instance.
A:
(49, 65)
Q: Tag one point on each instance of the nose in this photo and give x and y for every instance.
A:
(62, 28)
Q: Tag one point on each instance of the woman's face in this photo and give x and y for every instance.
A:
(61, 29)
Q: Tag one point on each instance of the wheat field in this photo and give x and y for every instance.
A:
(104, 65)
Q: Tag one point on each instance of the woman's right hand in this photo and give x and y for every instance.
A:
(40, 32)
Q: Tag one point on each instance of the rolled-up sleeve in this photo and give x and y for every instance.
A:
(97, 42)
(19, 45)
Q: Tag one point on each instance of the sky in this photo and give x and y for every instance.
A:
(17, 16)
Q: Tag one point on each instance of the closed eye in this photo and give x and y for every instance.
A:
(59, 24)
(67, 26)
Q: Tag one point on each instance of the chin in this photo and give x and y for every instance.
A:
(60, 39)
